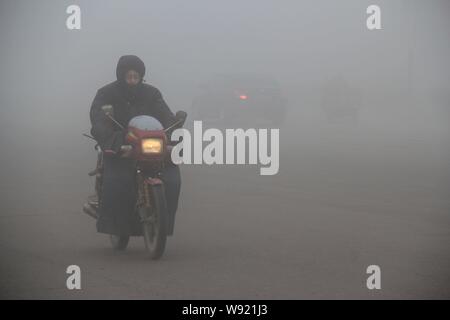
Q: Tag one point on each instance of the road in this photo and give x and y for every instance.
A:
(344, 199)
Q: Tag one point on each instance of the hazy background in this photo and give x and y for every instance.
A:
(346, 196)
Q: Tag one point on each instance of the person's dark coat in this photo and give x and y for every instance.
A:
(127, 102)
(118, 194)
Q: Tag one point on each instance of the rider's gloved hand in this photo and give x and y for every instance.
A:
(114, 143)
(125, 151)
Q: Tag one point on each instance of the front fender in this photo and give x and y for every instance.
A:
(153, 181)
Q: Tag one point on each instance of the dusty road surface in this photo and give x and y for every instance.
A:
(371, 190)
(345, 198)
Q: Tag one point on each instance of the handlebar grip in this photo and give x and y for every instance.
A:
(125, 150)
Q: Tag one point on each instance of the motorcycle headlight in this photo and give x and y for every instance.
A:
(152, 146)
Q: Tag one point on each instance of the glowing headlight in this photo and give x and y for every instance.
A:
(152, 146)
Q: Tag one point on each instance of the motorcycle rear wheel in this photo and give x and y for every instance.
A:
(155, 227)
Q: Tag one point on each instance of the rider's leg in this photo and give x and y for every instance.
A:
(172, 182)
(117, 198)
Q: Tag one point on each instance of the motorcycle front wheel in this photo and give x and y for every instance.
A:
(119, 243)
(154, 225)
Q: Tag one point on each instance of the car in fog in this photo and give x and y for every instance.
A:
(240, 98)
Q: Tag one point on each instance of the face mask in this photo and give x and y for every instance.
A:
(131, 90)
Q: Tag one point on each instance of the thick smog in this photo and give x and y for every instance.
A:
(315, 149)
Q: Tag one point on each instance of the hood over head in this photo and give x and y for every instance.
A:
(127, 63)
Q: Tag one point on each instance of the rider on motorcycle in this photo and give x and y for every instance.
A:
(129, 97)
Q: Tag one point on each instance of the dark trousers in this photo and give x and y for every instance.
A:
(118, 197)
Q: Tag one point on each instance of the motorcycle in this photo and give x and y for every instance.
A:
(147, 144)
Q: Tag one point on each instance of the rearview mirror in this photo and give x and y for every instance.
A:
(181, 115)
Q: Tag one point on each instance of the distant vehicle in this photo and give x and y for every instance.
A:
(240, 98)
